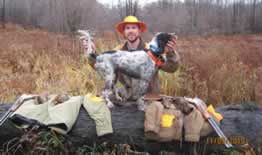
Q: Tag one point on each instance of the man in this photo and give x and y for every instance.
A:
(131, 29)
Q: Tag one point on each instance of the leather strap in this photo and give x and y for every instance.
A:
(155, 59)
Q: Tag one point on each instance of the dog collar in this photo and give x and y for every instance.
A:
(155, 59)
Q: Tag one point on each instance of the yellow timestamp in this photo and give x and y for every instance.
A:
(232, 140)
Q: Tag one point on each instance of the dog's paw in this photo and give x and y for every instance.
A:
(141, 104)
(119, 98)
(110, 104)
(120, 95)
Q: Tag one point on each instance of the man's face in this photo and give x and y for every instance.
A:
(132, 32)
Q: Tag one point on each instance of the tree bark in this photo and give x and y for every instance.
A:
(3, 15)
(242, 120)
(253, 16)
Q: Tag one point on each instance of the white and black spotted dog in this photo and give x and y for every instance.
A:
(141, 64)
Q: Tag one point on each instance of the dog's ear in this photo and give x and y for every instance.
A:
(174, 35)
(162, 39)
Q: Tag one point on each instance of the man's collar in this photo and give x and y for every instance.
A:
(141, 46)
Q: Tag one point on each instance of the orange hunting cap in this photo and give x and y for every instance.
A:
(130, 20)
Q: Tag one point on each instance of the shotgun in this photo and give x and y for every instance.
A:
(201, 106)
(15, 106)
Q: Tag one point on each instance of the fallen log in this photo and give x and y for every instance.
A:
(240, 121)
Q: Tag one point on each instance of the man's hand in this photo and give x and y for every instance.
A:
(171, 45)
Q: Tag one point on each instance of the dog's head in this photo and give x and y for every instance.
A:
(183, 105)
(159, 41)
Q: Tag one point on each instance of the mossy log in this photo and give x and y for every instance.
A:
(241, 120)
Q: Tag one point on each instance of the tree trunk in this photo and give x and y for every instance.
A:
(3, 15)
(243, 120)
(253, 16)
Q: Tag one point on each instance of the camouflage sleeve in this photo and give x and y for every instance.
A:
(172, 63)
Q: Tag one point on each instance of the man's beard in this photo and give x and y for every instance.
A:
(134, 40)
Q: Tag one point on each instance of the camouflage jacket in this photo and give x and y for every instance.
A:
(170, 66)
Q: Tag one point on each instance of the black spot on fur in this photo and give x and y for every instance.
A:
(109, 52)
(93, 55)
(162, 39)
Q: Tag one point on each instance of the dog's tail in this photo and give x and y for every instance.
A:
(85, 35)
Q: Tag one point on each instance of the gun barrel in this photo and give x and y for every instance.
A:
(6, 115)
(14, 107)
(3, 117)
(213, 123)
(201, 106)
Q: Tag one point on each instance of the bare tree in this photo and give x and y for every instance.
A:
(3, 14)
(127, 7)
(181, 16)
(253, 16)
(191, 6)
(73, 14)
